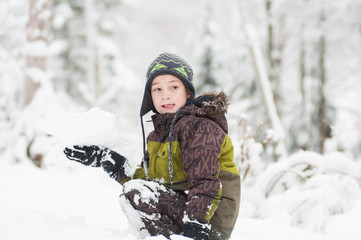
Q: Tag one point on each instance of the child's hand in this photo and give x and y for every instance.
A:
(95, 156)
(195, 231)
(86, 155)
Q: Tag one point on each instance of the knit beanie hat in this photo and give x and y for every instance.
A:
(167, 63)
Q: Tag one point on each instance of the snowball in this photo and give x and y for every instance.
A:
(94, 127)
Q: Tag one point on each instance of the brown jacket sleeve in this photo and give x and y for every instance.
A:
(201, 145)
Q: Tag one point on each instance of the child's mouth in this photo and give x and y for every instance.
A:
(168, 106)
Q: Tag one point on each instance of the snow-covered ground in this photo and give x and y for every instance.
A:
(306, 196)
(82, 203)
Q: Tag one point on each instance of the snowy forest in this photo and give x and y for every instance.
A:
(73, 71)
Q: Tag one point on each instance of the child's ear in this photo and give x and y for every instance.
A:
(189, 94)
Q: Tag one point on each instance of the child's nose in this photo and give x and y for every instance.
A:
(165, 94)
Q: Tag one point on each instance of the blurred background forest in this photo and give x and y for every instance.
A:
(291, 68)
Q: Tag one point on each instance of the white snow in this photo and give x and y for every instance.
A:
(37, 48)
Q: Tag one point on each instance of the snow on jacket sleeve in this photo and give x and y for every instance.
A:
(201, 141)
(139, 173)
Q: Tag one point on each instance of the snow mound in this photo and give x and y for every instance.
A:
(310, 187)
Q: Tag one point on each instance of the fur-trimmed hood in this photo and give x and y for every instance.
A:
(212, 105)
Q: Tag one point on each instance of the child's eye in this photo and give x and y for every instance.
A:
(174, 87)
(156, 89)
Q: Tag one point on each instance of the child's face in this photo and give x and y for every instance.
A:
(168, 94)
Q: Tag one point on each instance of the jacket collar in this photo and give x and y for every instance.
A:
(162, 122)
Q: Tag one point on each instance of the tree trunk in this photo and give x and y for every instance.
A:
(38, 36)
(302, 67)
(303, 115)
(38, 31)
(274, 51)
(324, 129)
(323, 124)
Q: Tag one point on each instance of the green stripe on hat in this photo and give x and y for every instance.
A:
(158, 66)
(182, 71)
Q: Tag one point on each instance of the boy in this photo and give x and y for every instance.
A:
(188, 183)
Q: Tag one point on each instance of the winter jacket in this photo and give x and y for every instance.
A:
(202, 161)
